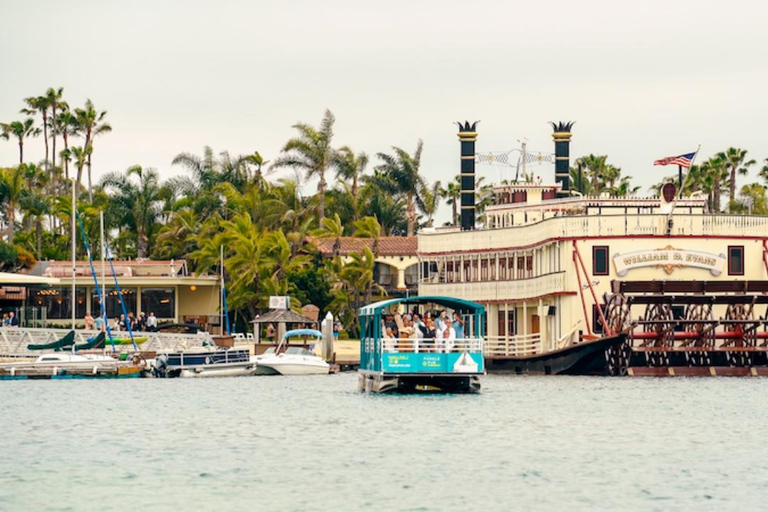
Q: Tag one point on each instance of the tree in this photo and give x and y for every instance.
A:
(36, 206)
(350, 167)
(53, 97)
(312, 153)
(401, 176)
(453, 194)
(431, 201)
(331, 228)
(21, 130)
(91, 124)
(66, 125)
(13, 183)
(735, 160)
(752, 200)
(136, 203)
(716, 172)
(39, 105)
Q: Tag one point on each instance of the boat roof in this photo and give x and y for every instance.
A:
(303, 332)
(449, 302)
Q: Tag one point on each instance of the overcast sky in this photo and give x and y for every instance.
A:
(643, 80)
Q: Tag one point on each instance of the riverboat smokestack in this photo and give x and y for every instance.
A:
(467, 137)
(562, 136)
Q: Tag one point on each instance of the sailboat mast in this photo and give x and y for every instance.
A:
(103, 269)
(221, 290)
(73, 299)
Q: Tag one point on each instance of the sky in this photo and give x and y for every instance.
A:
(642, 80)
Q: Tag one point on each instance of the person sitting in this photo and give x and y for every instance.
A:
(449, 339)
(389, 341)
(389, 321)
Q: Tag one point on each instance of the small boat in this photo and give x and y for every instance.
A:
(66, 365)
(294, 360)
(221, 362)
(412, 364)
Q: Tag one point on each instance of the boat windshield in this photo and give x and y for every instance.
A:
(300, 351)
(270, 350)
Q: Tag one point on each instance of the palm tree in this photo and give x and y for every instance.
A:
(735, 160)
(39, 105)
(13, 184)
(369, 227)
(453, 194)
(431, 201)
(136, 202)
(80, 155)
(350, 167)
(53, 97)
(66, 125)
(401, 176)
(91, 124)
(312, 153)
(36, 206)
(716, 172)
(754, 197)
(331, 228)
(21, 130)
(764, 171)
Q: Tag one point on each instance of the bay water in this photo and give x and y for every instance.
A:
(315, 443)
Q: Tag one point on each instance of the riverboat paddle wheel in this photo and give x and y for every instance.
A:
(689, 327)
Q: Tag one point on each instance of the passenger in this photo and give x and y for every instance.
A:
(458, 326)
(389, 340)
(441, 321)
(389, 321)
(449, 339)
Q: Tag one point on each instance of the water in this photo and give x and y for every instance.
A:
(313, 443)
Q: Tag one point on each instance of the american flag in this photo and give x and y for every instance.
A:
(681, 160)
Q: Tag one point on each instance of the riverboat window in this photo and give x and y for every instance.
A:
(161, 301)
(735, 260)
(507, 325)
(597, 324)
(600, 260)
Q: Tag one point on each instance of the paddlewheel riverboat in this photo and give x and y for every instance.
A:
(604, 285)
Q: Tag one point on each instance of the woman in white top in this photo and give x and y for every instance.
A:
(449, 339)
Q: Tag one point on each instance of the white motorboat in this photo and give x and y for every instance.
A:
(294, 360)
(67, 358)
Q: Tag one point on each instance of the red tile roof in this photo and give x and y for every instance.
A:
(388, 245)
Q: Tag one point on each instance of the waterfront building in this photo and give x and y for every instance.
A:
(396, 265)
(547, 262)
(166, 288)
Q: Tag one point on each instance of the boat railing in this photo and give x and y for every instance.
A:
(514, 346)
(431, 345)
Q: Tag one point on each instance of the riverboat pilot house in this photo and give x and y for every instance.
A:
(554, 269)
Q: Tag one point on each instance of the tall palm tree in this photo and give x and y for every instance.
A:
(312, 153)
(36, 206)
(350, 167)
(80, 155)
(136, 202)
(53, 97)
(91, 124)
(66, 125)
(21, 130)
(717, 172)
(735, 160)
(401, 176)
(39, 105)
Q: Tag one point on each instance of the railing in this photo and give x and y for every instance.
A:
(582, 226)
(430, 345)
(523, 345)
(14, 340)
(492, 290)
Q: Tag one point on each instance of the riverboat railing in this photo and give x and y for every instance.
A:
(592, 226)
(499, 347)
(431, 345)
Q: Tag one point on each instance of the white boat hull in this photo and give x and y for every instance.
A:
(286, 366)
(218, 370)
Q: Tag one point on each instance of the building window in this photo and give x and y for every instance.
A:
(600, 260)
(160, 301)
(112, 300)
(735, 260)
(55, 303)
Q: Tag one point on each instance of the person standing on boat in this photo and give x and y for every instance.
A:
(458, 326)
(449, 338)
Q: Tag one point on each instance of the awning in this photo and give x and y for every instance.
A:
(11, 278)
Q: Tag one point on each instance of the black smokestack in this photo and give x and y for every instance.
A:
(562, 136)
(467, 136)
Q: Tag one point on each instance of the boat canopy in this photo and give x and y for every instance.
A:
(302, 332)
(460, 305)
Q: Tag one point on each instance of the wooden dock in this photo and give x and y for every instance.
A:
(116, 370)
